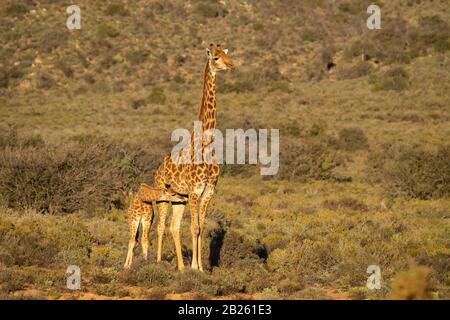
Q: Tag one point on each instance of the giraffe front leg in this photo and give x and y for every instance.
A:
(204, 202)
(193, 208)
(177, 216)
(163, 207)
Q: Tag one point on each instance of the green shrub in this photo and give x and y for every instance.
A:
(116, 9)
(157, 96)
(157, 294)
(273, 241)
(210, 9)
(65, 68)
(280, 85)
(396, 79)
(137, 57)
(392, 41)
(111, 290)
(16, 9)
(45, 81)
(152, 275)
(10, 75)
(33, 240)
(412, 172)
(352, 139)
(308, 159)
(13, 35)
(269, 293)
(350, 203)
(237, 248)
(194, 281)
(229, 280)
(106, 256)
(353, 71)
(317, 128)
(237, 86)
(434, 32)
(53, 39)
(107, 30)
(348, 7)
(13, 279)
(147, 274)
(29, 245)
(311, 293)
(291, 284)
(73, 241)
(359, 47)
(399, 41)
(310, 35)
(79, 175)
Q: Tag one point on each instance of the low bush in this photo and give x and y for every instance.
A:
(16, 9)
(116, 9)
(350, 203)
(308, 159)
(44, 81)
(434, 32)
(237, 86)
(210, 9)
(37, 241)
(352, 139)
(10, 75)
(107, 30)
(53, 39)
(353, 71)
(396, 79)
(195, 282)
(157, 96)
(229, 281)
(153, 275)
(238, 249)
(137, 57)
(73, 176)
(13, 279)
(411, 172)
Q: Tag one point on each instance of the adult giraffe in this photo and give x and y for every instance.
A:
(195, 181)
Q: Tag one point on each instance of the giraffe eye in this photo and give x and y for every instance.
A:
(216, 58)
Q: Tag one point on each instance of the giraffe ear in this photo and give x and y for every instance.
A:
(208, 52)
(225, 51)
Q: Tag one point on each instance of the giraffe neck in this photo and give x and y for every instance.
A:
(207, 113)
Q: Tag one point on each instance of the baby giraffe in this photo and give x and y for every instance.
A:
(141, 211)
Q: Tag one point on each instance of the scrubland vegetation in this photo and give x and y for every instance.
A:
(364, 179)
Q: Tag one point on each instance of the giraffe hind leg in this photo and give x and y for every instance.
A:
(203, 206)
(146, 220)
(134, 225)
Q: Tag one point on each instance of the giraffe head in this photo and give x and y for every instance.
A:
(218, 58)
